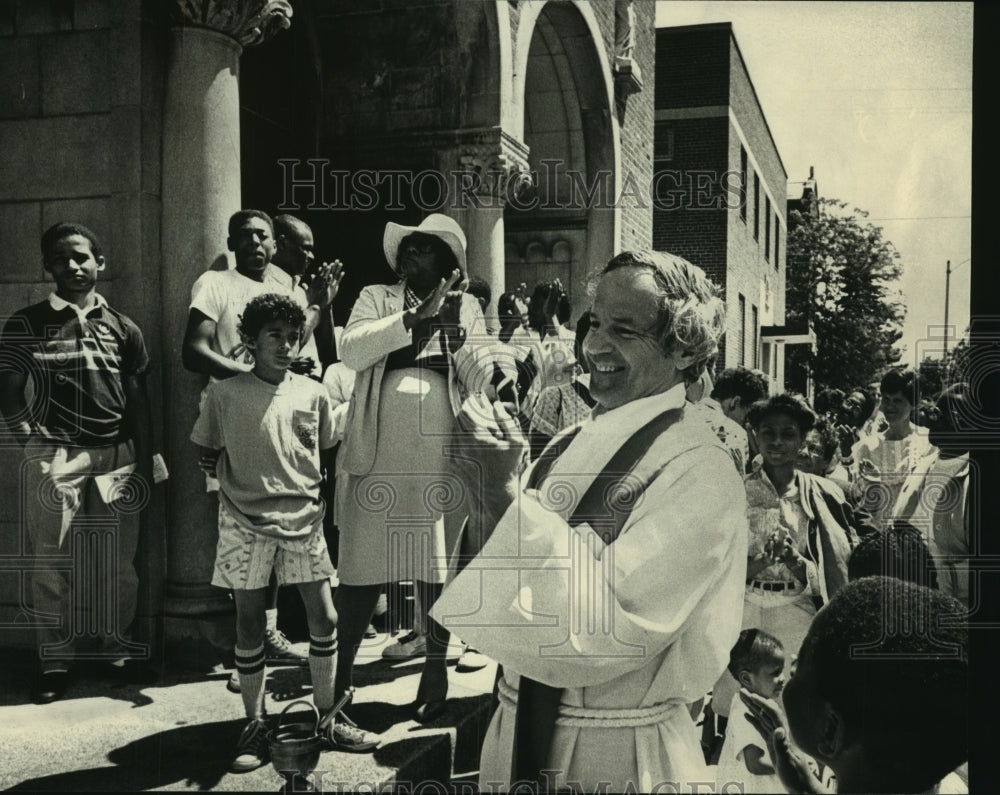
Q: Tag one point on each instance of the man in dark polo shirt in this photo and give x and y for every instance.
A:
(85, 430)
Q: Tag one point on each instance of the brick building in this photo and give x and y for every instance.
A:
(719, 186)
(153, 121)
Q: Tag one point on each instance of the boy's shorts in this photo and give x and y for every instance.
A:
(244, 559)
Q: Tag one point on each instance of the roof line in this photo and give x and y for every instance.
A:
(732, 35)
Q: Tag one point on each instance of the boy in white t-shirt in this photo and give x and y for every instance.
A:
(263, 434)
(213, 345)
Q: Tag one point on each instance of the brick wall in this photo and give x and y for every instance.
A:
(636, 140)
(692, 69)
(701, 67)
(680, 226)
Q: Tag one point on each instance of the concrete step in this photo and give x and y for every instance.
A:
(179, 733)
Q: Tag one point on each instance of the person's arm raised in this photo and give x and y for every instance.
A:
(197, 354)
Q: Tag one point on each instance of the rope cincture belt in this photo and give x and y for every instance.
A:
(598, 718)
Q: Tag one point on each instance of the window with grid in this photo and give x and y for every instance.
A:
(743, 184)
(663, 142)
(777, 240)
(743, 332)
(767, 228)
(756, 330)
(756, 206)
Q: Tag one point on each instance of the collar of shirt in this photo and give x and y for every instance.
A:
(59, 304)
(282, 277)
(713, 404)
(635, 413)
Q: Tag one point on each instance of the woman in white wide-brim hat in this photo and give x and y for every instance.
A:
(399, 511)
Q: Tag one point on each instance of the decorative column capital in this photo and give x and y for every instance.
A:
(250, 22)
(497, 162)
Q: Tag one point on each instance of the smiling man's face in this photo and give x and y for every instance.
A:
(623, 353)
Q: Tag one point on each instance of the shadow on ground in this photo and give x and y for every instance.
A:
(196, 755)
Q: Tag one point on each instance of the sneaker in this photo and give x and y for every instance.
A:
(471, 660)
(278, 650)
(407, 647)
(344, 735)
(49, 686)
(233, 685)
(251, 749)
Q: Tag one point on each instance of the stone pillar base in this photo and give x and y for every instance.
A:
(199, 643)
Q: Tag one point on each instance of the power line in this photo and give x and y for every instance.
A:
(922, 218)
(869, 88)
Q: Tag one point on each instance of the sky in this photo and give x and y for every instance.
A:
(877, 97)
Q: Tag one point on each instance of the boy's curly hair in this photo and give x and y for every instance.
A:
(892, 657)
(267, 308)
(900, 551)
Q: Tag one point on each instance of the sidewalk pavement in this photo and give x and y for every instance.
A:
(180, 733)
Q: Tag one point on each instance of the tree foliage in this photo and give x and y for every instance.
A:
(842, 277)
(937, 373)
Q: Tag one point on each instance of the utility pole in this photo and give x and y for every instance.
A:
(947, 285)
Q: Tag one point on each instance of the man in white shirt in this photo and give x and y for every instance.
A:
(607, 612)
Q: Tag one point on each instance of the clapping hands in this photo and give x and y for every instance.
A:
(780, 547)
(323, 286)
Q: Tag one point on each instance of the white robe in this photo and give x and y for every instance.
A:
(647, 620)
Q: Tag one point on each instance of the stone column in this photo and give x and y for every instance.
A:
(201, 189)
(491, 166)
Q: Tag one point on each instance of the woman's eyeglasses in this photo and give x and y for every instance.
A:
(418, 246)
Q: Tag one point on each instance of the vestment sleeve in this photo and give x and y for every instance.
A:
(207, 431)
(368, 336)
(554, 603)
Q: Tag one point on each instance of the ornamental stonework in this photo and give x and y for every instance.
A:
(250, 22)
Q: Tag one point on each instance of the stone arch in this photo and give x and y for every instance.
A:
(489, 101)
(564, 91)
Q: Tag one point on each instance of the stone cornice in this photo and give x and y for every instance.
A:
(250, 22)
(495, 160)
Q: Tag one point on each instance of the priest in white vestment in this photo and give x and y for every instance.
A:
(628, 626)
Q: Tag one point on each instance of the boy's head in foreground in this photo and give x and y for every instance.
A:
(900, 551)
(880, 693)
(757, 662)
(271, 327)
(72, 254)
